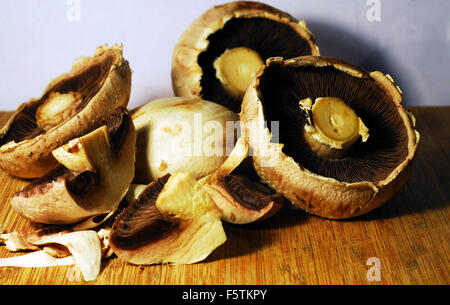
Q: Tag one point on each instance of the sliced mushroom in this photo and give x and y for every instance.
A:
(217, 56)
(373, 168)
(94, 175)
(238, 191)
(174, 220)
(180, 134)
(73, 104)
(81, 247)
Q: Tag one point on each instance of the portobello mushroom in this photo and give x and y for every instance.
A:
(219, 53)
(93, 175)
(358, 110)
(73, 104)
(239, 192)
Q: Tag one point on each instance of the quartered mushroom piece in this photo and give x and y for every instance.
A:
(93, 175)
(174, 220)
(73, 104)
(238, 191)
(220, 52)
(345, 141)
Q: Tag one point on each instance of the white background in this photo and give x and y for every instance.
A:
(41, 38)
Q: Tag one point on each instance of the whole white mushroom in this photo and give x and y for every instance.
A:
(182, 134)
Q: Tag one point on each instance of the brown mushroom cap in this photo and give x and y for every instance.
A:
(258, 26)
(103, 82)
(368, 176)
(94, 175)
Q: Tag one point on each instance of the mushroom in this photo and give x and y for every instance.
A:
(238, 191)
(235, 188)
(344, 158)
(181, 134)
(93, 176)
(174, 220)
(72, 105)
(220, 52)
(55, 247)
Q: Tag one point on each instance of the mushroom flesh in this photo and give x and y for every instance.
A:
(380, 142)
(238, 191)
(55, 247)
(174, 220)
(182, 134)
(93, 176)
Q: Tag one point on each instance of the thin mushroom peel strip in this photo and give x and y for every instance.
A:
(84, 249)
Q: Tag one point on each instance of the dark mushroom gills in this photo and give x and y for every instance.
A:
(93, 175)
(322, 102)
(173, 220)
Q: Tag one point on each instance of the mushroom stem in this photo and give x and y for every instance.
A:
(332, 127)
(57, 108)
(236, 68)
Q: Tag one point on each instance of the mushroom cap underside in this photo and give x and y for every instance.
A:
(103, 81)
(368, 177)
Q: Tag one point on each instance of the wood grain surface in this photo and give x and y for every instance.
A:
(409, 236)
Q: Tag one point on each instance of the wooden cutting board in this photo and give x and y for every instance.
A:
(406, 241)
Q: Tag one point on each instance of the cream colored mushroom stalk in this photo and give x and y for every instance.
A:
(58, 107)
(332, 127)
(174, 220)
(235, 69)
(235, 188)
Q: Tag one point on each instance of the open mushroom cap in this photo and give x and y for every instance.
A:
(174, 220)
(246, 33)
(93, 175)
(373, 169)
(182, 134)
(73, 104)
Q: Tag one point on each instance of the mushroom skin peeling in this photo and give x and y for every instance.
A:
(332, 126)
(236, 68)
